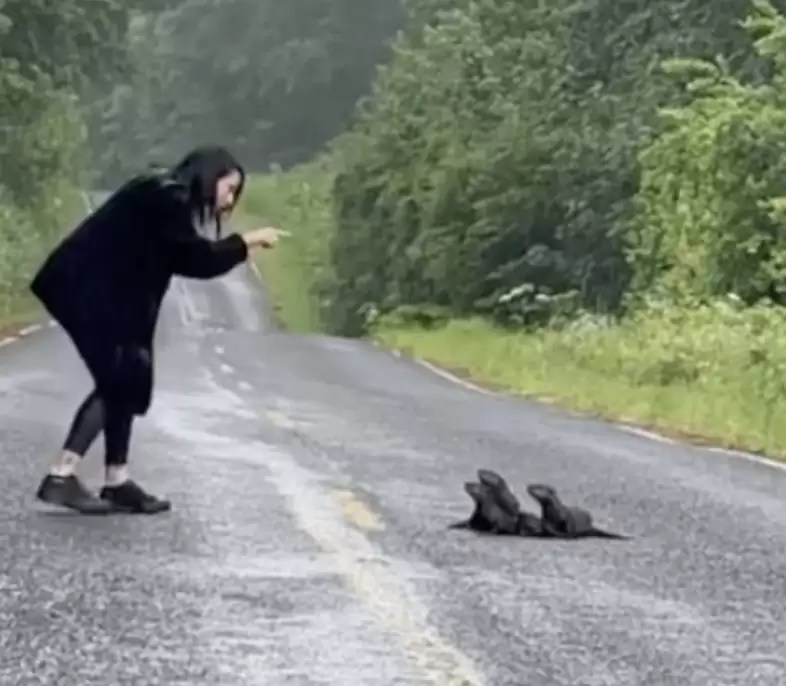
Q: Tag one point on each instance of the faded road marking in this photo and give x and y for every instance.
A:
(357, 512)
(645, 434)
(186, 306)
(255, 270)
(280, 419)
(22, 333)
(383, 592)
(33, 328)
(453, 378)
(751, 457)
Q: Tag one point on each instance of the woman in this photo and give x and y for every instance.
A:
(104, 285)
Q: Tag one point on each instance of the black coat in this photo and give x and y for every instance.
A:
(105, 282)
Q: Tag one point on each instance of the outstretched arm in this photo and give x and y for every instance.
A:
(200, 258)
(192, 255)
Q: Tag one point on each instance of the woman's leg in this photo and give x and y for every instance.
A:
(117, 438)
(61, 485)
(120, 490)
(85, 427)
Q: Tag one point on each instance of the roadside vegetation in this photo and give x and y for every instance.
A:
(41, 136)
(93, 92)
(579, 201)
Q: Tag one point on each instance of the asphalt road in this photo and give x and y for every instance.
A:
(312, 481)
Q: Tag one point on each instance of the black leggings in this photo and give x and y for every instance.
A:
(93, 415)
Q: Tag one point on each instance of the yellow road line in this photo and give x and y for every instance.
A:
(280, 419)
(323, 516)
(357, 512)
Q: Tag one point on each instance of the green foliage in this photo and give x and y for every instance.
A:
(40, 136)
(710, 217)
(502, 147)
(77, 42)
(428, 197)
(720, 344)
(273, 81)
(666, 345)
(296, 271)
(527, 306)
(144, 81)
(424, 317)
(645, 151)
(714, 372)
(25, 236)
(51, 56)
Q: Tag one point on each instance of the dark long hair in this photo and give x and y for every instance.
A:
(198, 172)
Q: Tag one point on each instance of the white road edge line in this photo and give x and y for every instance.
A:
(49, 323)
(643, 433)
(769, 462)
(758, 459)
(730, 452)
(30, 329)
(452, 377)
(25, 332)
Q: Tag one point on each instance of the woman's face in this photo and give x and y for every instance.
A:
(226, 191)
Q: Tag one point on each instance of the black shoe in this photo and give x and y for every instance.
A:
(68, 491)
(130, 497)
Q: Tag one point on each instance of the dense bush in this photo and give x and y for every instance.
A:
(709, 217)
(93, 92)
(52, 56)
(519, 145)
(272, 80)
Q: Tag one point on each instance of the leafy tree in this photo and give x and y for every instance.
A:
(273, 80)
(710, 210)
(499, 152)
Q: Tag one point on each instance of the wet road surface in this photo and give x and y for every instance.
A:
(312, 480)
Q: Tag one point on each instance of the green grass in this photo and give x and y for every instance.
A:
(707, 394)
(25, 239)
(297, 201)
(714, 374)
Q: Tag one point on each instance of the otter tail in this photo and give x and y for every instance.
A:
(464, 524)
(600, 533)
